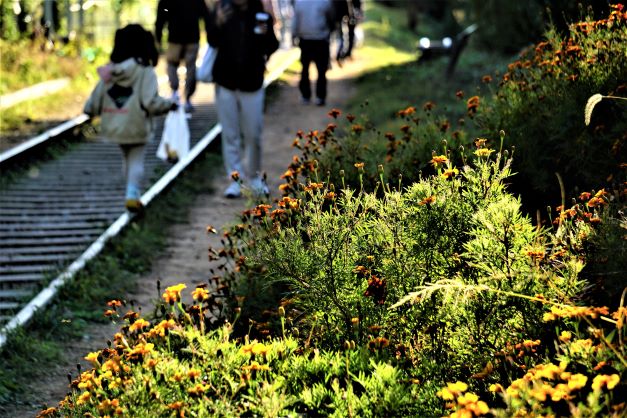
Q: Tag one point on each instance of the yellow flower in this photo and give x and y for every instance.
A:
(141, 350)
(161, 327)
(83, 398)
(565, 336)
(483, 152)
(139, 325)
(198, 390)
(605, 380)
(200, 294)
(256, 348)
(193, 374)
(93, 357)
(467, 398)
(450, 173)
(173, 293)
(359, 165)
(254, 366)
(577, 381)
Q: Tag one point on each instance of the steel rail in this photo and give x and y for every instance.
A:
(46, 295)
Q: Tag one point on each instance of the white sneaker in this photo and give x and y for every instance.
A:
(233, 191)
(259, 187)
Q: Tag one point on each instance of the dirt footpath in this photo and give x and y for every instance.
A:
(185, 258)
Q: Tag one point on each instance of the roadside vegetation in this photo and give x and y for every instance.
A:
(408, 270)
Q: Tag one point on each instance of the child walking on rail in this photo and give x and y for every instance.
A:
(126, 97)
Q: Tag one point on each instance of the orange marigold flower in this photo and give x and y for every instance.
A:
(83, 398)
(357, 128)
(200, 294)
(584, 196)
(173, 293)
(139, 325)
(438, 160)
(314, 186)
(428, 106)
(193, 373)
(359, 165)
(620, 316)
(288, 174)
(47, 412)
(427, 200)
(459, 94)
(472, 104)
(235, 175)
(255, 366)
(410, 110)
(114, 303)
(350, 117)
(486, 79)
(334, 113)
(176, 405)
(574, 312)
(379, 342)
(198, 390)
(109, 313)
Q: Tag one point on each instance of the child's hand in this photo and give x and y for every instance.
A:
(174, 107)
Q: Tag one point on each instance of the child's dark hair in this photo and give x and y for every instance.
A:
(133, 41)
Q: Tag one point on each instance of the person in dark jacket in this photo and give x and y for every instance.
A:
(182, 20)
(242, 33)
(347, 12)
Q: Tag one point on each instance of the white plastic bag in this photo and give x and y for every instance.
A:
(204, 72)
(174, 143)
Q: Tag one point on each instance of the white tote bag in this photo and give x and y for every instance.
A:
(204, 71)
(174, 143)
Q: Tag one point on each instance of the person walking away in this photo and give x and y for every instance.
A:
(182, 20)
(347, 12)
(312, 24)
(242, 33)
(126, 97)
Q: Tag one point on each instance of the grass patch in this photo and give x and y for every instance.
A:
(111, 274)
(397, 79)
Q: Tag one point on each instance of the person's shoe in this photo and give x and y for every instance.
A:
(233, 191)
(320, 102)
(189, 108)
(259, 187)
(134, 205)
(305, 100)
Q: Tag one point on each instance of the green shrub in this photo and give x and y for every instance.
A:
(540, 103)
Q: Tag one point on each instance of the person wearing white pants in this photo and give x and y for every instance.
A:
(241, 116)
(242, 33)
(133, 169)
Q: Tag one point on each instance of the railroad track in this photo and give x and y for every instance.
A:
(59, 214)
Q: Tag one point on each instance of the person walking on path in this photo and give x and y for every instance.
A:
(126, 97)
(312, 25)
(242, 33)
(346, 12)
(182, 19)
